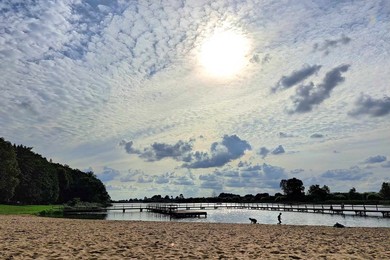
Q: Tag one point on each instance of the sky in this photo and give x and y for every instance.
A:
(199, 97)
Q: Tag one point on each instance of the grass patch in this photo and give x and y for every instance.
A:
(28, 209)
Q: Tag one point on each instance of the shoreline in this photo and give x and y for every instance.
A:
(25, 236)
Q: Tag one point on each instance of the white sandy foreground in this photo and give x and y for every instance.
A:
(27, 237)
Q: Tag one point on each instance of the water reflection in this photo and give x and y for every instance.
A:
(94, 215)
(231, 215)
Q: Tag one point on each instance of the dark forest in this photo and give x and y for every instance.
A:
(28, 178)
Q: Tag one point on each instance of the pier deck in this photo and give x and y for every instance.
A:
(173, 211)
(182, 208)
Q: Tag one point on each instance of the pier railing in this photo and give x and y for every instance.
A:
(358, 210)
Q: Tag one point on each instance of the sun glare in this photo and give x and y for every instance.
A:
(224, 54)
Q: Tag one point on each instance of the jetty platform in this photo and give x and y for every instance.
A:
(173, 211)
(196, 209)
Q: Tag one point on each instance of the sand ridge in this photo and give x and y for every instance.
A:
(30, 237)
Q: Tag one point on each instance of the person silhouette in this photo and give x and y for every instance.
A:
(280, 218)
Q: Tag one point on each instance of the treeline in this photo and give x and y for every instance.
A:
(293, 190)
(28, 178)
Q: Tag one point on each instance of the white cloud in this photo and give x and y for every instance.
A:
(366, 105)
(108, 174)
(353, 173)
(77, 77)
(375, 159)
(231, 148)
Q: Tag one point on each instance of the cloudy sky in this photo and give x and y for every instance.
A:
(198, 97)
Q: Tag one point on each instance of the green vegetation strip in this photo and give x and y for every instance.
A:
(29, 209)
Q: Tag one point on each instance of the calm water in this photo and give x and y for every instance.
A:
(224, 215)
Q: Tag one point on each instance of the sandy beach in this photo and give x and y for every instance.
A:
(30, 237)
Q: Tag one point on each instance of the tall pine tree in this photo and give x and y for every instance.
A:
(9, 171)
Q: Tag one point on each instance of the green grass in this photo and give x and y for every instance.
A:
(26, 209)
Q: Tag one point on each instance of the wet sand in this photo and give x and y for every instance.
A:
(30, 237)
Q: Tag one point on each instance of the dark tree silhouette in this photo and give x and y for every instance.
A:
(385, 190)
(28, 178)
(293, 189)
(317, 193)
(38, 179)
(9, 171)
(353, 194)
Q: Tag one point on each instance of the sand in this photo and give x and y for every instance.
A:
(27, 237)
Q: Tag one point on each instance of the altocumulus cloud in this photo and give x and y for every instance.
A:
(244, 175)
(285, 135)
(296, 77)
(386, 164)
(230, 148)
(308, 96)
(278, 150)
(211, 181)
(158, 151)
(163, 178)
(264, 151)
(317, 135)
(351, 174)
(67, 59)
(366, 105)
(129, 147)
(76, 72)
(327, 45)
(376, 159)
(108, 174)
(132, 176)
(184, 180)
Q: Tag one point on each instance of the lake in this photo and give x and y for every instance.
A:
(232, 215)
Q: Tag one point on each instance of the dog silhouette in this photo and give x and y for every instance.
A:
(253, 220)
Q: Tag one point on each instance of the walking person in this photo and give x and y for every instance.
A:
(280, 218)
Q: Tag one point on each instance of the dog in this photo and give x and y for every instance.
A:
(338, 225)
(253, 220)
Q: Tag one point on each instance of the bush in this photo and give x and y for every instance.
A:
(374, 196)
(74, 202)
(280, 199)
(51, 213)
(338, 197)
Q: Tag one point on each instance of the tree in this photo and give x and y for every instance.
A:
(157, 198)
(88, 187)
(9, 171)
(64, 181)
(318, 193)
(248, 198)
(38, 180)
(385, 190)
(261, 196)
(293, 188)
(29, 178)
(353, 195)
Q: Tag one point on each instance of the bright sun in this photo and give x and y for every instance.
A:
(224, 53)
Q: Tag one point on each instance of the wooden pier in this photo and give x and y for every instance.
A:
(195, 209)
(173, 211)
